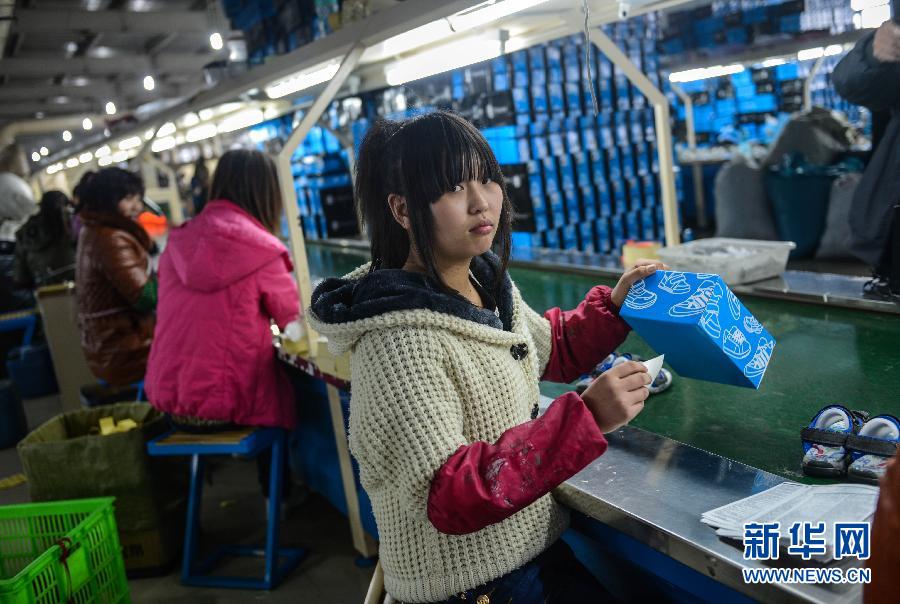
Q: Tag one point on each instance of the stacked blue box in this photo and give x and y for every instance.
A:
(551, 238)
(567, 172)
(588, 202)
(557, 208)
(570, 237)
(586, 237)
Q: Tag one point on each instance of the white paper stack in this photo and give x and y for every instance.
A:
(790, 502)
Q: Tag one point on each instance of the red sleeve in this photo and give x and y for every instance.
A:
(483, 483)
(279, 292)
(582, 337)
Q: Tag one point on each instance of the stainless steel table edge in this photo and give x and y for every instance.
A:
(714, 558)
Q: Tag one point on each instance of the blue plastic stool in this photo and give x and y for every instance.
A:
(246, 443)
(25, 320)
(138, 385)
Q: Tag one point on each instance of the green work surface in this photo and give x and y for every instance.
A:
(824, 355)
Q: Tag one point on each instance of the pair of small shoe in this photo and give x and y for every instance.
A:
(840, 442)
(662, 381)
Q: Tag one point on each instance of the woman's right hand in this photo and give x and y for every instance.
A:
(617, 396)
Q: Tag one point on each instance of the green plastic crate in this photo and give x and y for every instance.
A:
(31, 570)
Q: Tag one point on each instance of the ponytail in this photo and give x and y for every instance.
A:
(376, 167)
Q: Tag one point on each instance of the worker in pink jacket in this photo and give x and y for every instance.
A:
(222, 278)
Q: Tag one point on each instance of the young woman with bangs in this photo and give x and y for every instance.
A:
(446, 362)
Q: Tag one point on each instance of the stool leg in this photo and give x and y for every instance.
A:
(192, 529)
(274, 509)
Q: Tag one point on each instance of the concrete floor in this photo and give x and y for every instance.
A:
(234, 510)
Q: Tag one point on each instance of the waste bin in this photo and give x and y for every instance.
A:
(67, 458)
(799, 206)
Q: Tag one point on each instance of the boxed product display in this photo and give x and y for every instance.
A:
(701, 326)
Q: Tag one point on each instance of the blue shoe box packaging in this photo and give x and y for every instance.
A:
(700, 325)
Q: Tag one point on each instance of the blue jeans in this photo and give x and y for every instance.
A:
(554, 577)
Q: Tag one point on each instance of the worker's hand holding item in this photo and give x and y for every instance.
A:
(295, 330)
(886, 45)
(617, 396)
(641, 269)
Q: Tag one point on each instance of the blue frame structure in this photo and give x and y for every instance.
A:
(26, 320)
(251, 445)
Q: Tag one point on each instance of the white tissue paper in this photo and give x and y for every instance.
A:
(654, 365)
(295, 330)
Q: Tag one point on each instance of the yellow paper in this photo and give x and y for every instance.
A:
(107, 426)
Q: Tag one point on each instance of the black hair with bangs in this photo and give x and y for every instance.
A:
(421, 159)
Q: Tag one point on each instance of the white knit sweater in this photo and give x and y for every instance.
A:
(425, 383)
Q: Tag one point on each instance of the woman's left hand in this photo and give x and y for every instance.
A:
(641, 269)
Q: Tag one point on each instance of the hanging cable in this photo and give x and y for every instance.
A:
(587, 57)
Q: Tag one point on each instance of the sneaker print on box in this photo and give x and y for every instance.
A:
(639, 298)
(752, 325)
(701, 326)
(735, 343)
(734, 306)
(759, 362)
(697, 303)
(674, 283)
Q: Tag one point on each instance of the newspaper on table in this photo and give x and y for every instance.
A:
(791, 502)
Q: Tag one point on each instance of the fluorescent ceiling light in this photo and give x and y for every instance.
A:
(104, 161)
(200, 132)
(85, 157)
(102, 151)
(241, 119)
(834, 49)
(110, 108)
(130, 143)
(54, 168)
(87, 124)
(206, 114)
(302, 81)
(149, 83)
(440, 59)
(215, 41)
(148, 134)
(72, 162)
(162, 144)
(66, 135)
(120, 156)
(773, 62)
(189, 119)
(409, 40)
(871, 18)
(811, 53)
(479, 17)
(35, 156)
(167, 129)
(858, 5)
(45, 151)
(703, 73)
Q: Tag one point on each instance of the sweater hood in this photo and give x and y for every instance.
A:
(221, 246)
(346, 308)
